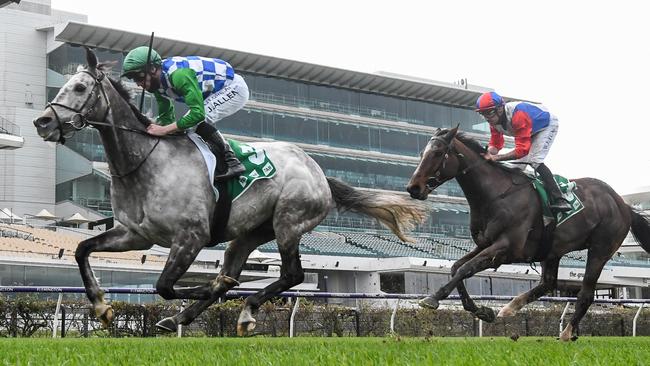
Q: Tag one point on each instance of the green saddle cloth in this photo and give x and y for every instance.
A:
(567, 187)
(258, 166)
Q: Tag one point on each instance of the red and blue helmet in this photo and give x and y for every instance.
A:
(488, 101)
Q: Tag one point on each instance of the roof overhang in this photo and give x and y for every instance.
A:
(638, 195)
(10, 142)
(386, 84)
(4, 3)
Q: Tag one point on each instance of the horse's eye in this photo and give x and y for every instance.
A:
(79, 88)
(437, 154)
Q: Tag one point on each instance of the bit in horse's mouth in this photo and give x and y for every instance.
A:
(53, 136)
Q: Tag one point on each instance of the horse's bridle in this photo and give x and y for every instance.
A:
(435, 181)
(80, 120)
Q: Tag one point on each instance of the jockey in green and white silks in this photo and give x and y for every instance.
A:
(208, 86)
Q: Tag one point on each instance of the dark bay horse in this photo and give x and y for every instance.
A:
(506, 224)
(161, 193)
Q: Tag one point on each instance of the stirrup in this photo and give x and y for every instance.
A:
(561, 205)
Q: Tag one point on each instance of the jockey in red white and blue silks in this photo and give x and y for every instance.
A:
(532, 125)
(534, 129)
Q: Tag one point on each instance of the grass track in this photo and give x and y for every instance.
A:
(325, 351)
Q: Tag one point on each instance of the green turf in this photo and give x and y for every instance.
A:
(326, 351)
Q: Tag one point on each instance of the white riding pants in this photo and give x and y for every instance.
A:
(540, 145)
(226, 101)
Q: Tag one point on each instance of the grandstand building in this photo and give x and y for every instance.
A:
(365, 128)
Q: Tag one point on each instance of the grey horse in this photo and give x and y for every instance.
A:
(161, 194)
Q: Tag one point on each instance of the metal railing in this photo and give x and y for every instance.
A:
(297, 295)
(9, 127)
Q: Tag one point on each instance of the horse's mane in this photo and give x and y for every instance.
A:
(117, 84)
(126, 95)
(121, 89)
(471, 143)
(476, 146)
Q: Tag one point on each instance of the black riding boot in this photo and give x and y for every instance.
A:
(221, 148)
(557, 202)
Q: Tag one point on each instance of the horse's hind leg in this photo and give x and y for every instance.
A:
(595, 263)
(118, 239)
(291, 274)
(234, 259)
(289, 223)
(547, 283)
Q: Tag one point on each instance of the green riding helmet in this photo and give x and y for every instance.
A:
(136, 60)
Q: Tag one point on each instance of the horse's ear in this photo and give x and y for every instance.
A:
(91, 58)
(452, 133)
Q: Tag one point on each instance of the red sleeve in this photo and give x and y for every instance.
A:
(523, 128)
(496, 138)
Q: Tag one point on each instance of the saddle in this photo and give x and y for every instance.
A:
(549, 221)
(258, 166)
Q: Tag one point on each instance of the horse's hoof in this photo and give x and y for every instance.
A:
(167, 325)
(105, 314)
(485, 314)
(246, 328)
(506, 312)
(567, 333)
(429, 302)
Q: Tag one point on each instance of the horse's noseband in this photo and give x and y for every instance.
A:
(435, 181)
(79, 120)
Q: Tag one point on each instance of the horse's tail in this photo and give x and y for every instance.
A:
(397, 213)
(641, 230)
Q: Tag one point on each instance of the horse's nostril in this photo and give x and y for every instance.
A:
(42, 121)
(413, 190)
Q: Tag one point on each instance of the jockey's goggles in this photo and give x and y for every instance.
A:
(136, 76)
(488, 112)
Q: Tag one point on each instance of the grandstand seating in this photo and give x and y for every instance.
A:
(44, 242)
(25, 240)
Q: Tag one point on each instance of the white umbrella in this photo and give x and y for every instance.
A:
(6, 214)
(257, 256)
(77, 219)
(44, 215)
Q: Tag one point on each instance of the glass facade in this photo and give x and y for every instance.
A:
(426, 283)
(356, 122)
(26, 275)
(317, 97)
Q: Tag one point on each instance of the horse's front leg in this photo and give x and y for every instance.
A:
(490, 257)
(482, 312)
(185, 246)
(234, 259)
(118, 239)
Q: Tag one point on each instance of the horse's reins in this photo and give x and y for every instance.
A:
(80, 121)
(435, 181)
